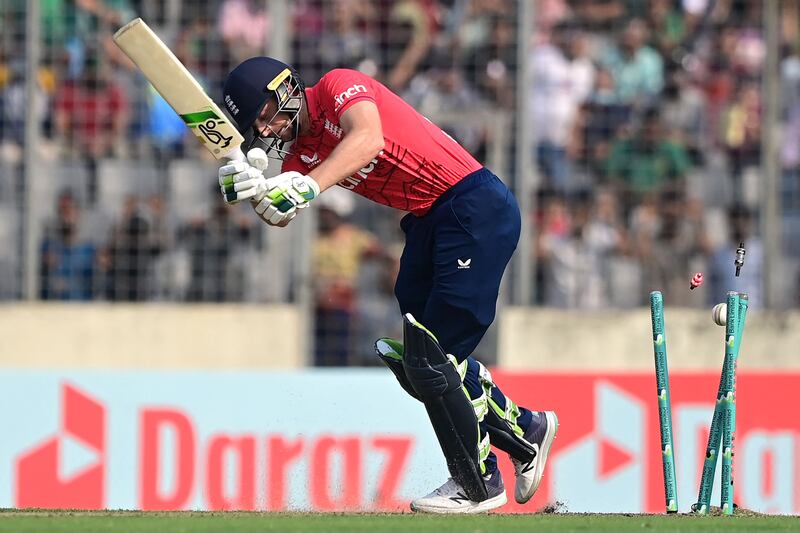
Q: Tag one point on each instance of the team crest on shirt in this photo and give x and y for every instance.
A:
(333, 129)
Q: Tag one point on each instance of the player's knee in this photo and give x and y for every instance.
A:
(429, 370)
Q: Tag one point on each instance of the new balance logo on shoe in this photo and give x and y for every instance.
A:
(464, 264)
(459, 497)
(532, 464)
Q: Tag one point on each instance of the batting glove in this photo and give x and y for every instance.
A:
(286, 194)
(244, 181)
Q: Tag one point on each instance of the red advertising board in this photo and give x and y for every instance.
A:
(189, 450)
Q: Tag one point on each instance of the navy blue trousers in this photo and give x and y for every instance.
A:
(454, 259)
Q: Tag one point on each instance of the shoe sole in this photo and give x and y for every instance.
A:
(544, 452)
(481, 507)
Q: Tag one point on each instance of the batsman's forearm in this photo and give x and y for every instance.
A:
(355, 151)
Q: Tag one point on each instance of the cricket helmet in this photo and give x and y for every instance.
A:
(251, 85)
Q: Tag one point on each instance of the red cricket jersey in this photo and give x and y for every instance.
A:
(418, 163)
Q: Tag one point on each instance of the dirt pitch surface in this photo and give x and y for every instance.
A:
(235, 522)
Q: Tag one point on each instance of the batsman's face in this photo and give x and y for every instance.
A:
(274, 124)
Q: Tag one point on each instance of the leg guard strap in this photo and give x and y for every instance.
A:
(503, 436)
(501, 424)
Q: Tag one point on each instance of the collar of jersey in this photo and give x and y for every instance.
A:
(317, 121)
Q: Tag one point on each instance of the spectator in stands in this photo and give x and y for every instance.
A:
(169, 269)
(721, 271)
(667, 22)
(638, 70)
(68, 265)
(129, 255)
(603, 118)
(160, 221)
(442, 89)
(741, 134)
(669, 237)
(12, 110)
(575, 262)
(550, 13)
(203, 50)
(349, 41)
(552, 223)
(750, 50)
(55, 21)
(683, 111)
(646, 163)
(606, 225)
(493, 66)
(409, 36)
(91, 112)
(718, 80)
(790, 149)
(91, 116)
(600, 16)
(309, 24)
(484, 40)
(166, 130)
(89, 27)
(377, 306)
(790, 104)
(213, 246)
(474, 20)
(245, 26)
(618, 266)
(563, 77)
(337, 255)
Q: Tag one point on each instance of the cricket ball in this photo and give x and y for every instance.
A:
(720, 314)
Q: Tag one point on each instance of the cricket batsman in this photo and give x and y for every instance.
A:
(461, 229)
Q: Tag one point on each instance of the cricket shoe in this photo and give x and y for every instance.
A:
(450, 498)
(540, 434)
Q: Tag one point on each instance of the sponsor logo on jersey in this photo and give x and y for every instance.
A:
(310, 161)
(348, 93)
(353, 181)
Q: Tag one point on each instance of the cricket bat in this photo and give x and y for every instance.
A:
(180, 89)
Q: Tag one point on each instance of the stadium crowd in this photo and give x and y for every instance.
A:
(647, 143)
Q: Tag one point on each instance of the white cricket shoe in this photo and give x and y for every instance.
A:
(450, 498)
(529, 474)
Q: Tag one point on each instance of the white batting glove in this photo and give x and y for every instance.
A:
(244, 181)
(286, 193)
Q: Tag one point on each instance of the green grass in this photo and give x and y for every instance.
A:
(141, 522)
